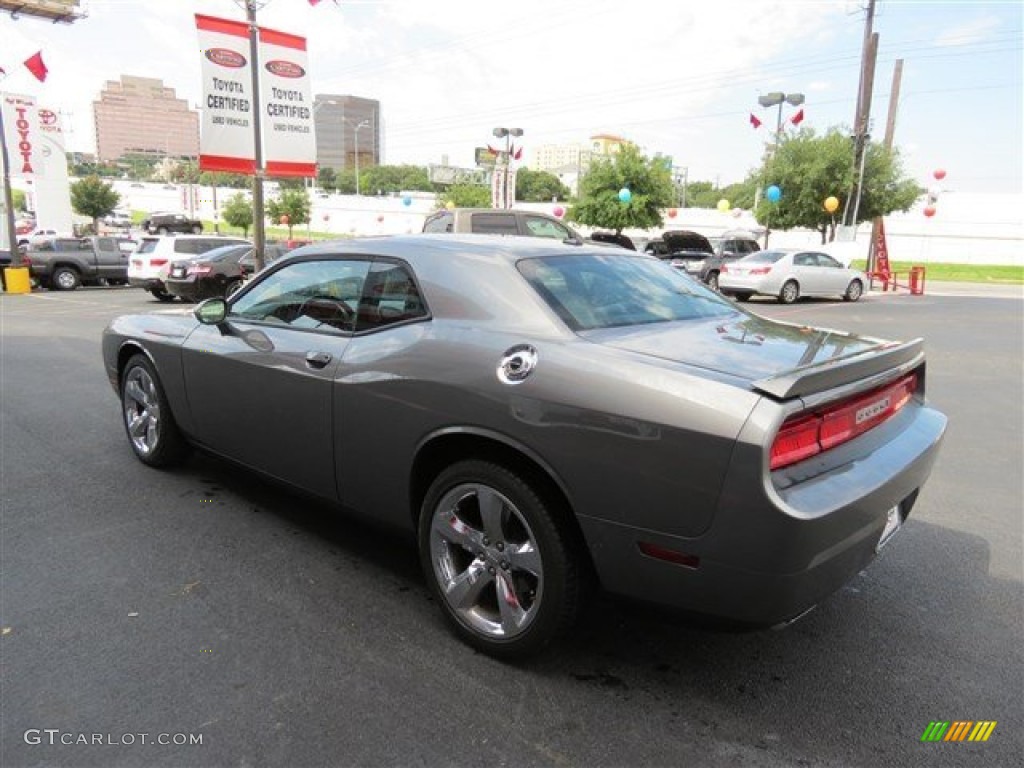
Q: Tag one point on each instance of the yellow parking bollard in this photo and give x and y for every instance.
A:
(17, 280)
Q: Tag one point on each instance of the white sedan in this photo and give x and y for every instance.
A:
(788, 274)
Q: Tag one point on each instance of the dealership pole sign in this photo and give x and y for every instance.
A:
(21, 125)
(228, 136)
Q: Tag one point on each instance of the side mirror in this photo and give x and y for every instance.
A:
(211, 312)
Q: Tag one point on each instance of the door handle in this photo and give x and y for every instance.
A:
(317, 359)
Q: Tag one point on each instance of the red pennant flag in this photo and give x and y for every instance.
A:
(492, 150)
(518, 154)
(36, 66)
(754, 121)
(798, 117)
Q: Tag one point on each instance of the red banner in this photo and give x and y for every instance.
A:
(881, 251)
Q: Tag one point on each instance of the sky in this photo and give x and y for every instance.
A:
(678, 79)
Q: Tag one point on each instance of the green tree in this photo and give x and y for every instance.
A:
(219, 179)
(466, 196)
(18, 200)
(293, 203)
(649, 183)
(392, 179)
(93, 198)
(345, 182)
(808, 169)
(238, 213)
(539, 186)
(327, 179)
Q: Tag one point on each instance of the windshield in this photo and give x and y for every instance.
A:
(591, 291)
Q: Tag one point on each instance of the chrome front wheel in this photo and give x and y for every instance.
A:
(148, 421)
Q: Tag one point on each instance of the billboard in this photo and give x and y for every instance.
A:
(52, 10)
(227, 135)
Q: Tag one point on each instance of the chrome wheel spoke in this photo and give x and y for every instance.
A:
(142, 411)
(492, 507)
(133, 391)
(455, 530)
(464, 590)
(137, 423)
(513, 615)
(524, 557)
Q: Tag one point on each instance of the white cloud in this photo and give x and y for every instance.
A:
(974, 31)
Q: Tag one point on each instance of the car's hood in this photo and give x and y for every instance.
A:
(741, 345)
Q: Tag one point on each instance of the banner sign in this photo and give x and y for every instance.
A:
(21, 124)
(881, 267)
(227, 140)
(286, 98)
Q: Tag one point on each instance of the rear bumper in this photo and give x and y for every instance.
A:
(773, 552)
(149, 283)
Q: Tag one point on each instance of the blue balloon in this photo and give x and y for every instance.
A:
(406, 201)
(625, 195)
(773, 194)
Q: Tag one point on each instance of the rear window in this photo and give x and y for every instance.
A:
(590, 291)
(148, 245)
(764, 257)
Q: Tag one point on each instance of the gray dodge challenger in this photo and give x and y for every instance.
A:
(546, 418)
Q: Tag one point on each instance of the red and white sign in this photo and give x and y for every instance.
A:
(227, 140)
(21, 123)
(286, 100)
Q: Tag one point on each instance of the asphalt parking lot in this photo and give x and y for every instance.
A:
(144, 607)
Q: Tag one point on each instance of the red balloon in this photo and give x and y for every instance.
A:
(929, 211)
(939, 174)
(284, 219)
(672, 213)
(559, 211)
(380, 217)
(326, 217)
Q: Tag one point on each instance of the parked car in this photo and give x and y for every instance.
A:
(118, 219)
(64, 263)
(219, 272)
(684, 250)
(540, 416)
(789, 274)
(489, 221)
(127, 244)
(41, 235)
(169, 223)
(156, 252)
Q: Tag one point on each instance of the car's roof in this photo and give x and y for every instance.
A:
(411, 248)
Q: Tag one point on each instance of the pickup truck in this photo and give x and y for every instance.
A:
(64, 263)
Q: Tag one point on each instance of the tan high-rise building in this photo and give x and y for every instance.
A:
(348, 131)
(140, 115)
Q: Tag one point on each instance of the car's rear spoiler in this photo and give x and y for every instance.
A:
(799, 382)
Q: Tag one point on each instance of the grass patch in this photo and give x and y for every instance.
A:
(991, 274)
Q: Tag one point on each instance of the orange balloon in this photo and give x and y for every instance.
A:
(929, 211)
(672, 213)
(284, 219)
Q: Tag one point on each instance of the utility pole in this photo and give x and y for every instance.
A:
(890, 130)
(869, 52)
(259, 238)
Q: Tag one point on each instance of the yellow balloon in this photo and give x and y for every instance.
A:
(723, 205)
(449, 205)
(831, 204)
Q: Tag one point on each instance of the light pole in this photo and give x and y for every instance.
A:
(507, 134)
(777, 98)
(361, 124)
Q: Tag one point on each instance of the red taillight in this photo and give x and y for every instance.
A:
(157, 262)
(724, 269)
(760, 270)
(200, 269)
(805, 435)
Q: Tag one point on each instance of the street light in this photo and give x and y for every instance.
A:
(507, 134)
(362, 124)
(777, 98)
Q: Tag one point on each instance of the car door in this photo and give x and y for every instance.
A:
(834, 276)
(259, 384)
(110, 262)
(805, 269)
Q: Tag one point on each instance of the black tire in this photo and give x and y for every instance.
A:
(232, 286)
(152, 431)
(790, 292)
(854, 291)
(65, 279)
(742, 296)
(545, 601)
(162, 231)
(160, 294)
(713, 281)
(197, 229)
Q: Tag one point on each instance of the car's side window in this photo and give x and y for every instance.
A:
(389, 296)
(494, 223)
(824, 260)
(439, 223)
(185, 246)
(539, 227)
(805, 260)
(315, 295)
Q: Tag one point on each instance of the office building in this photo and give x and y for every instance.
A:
(348, 131)
(140, 115)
